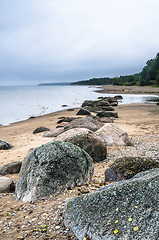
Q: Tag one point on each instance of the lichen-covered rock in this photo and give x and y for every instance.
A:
(126, 210)
(87, 140)
(5, 145)
(51, 168)
(127, 167)
(113, 135)
(88, 122)
(6, 185)
(13, 167)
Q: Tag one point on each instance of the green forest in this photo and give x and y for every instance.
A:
(148, 76)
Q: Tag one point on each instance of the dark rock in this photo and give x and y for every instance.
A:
(87, 140)
(51, 168)
(88, 122)
(64, 105)
(13, 167)
(123, 210)
(61, 117)
(88, 103)
(103, 103)
(111, 100)
(54, 133)
(83, 111)
(5, 145)
(127, 167)
(113, 135)
(108, 108)
(107, 114)
(61, 120)
(41, 129)
(31, 117)
(114, 104)
(6, 185)
(118, 97)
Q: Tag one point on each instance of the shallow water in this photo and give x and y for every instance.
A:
(21, 102)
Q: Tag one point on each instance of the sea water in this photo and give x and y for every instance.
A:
(21, 102)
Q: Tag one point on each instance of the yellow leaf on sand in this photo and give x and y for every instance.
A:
(130, 219)
(84, 238)
(116, 221)
(117, 209)
(115, 231)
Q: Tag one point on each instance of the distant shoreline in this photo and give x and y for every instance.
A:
(114, 89)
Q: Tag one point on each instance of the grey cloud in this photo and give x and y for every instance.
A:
(73, 40)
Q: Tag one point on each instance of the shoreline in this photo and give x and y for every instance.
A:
(146, 90)
(132, 118)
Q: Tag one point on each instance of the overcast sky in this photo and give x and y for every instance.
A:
(70, 40)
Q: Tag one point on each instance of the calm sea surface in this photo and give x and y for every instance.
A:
(20, 103)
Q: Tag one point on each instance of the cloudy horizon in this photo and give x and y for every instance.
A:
(65, 41)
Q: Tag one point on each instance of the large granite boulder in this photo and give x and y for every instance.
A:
(5, 145)
(127, 167)
(6, 185)
(123, 210)
(88, 122)
(13, 167)
(113, 135)
(51, 168)
(87, 140)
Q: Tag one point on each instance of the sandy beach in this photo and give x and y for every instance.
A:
(128, 89)
(140, 121)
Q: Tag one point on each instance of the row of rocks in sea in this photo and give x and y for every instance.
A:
(104, 103)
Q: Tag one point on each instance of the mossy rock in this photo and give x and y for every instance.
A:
(127, 167)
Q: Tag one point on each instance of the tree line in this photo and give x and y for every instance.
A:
(148, 76)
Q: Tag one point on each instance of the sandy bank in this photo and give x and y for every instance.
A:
(128, 89)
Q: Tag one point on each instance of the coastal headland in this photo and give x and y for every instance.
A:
(24, 220)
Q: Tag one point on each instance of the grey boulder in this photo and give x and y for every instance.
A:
(87, 140)
(127, 167)
(5, 145)
(126, 210)
(51, 168)
(88, 122)
(113, 135)
(83, 111)
(13, 167)
(6, 185)
(40, 129)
